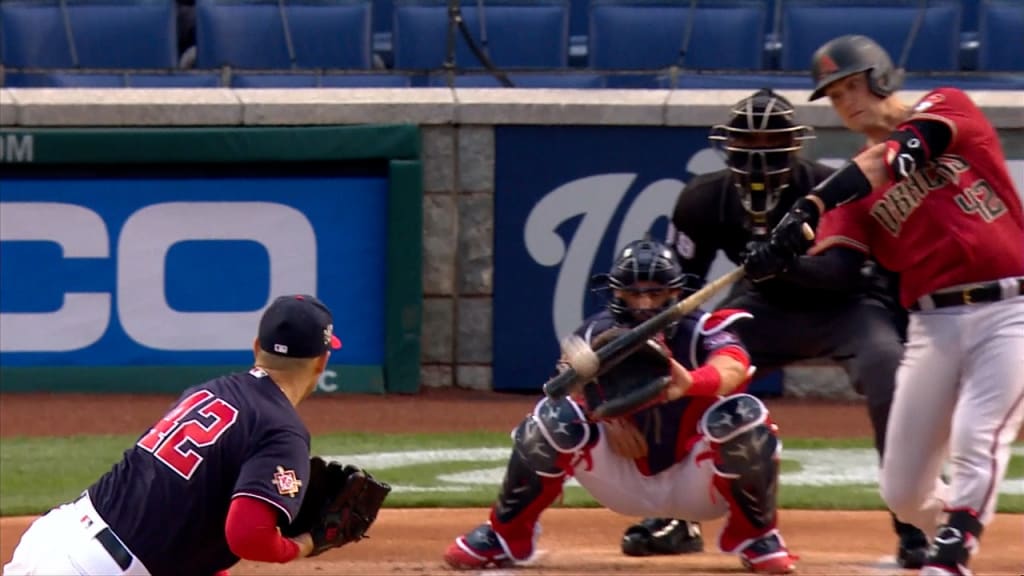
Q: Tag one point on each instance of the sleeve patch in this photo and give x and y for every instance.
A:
(720, 340)
(929, 101)
(685, 245)
(287, 482)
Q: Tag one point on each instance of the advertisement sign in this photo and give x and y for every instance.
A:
(567, 198)
(167, 269)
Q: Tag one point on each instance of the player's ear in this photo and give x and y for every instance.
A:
(255, 347)
(321, 362)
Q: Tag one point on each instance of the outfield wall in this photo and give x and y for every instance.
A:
(637, 148)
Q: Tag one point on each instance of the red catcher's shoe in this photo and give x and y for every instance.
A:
(483, 548)
(768, 555)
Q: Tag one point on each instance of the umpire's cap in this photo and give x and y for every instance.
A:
(297, 326)
(852, 54)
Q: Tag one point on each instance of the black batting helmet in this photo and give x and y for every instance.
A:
(852, 54)
(760, 142)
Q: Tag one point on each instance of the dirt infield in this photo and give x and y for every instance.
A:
(410, 541)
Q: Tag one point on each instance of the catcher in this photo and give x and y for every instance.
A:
(700, 450)
(212, 481)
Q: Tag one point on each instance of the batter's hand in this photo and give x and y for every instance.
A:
(624, 438)
(790, 236)
(765, 260)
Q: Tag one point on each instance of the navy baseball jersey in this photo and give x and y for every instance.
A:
(671, 428)
(168, 498)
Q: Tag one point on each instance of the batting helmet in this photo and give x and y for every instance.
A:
(642, 261)
(852, 54)
(760, 141)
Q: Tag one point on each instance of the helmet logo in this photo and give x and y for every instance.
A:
(826, 65)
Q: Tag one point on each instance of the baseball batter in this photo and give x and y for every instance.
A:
(834, 305)
(211, 481)
(706, 451)
(931, 198)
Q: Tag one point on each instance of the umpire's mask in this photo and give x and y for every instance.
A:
(760, 143)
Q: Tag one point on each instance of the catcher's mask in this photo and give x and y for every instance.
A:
(760, 143)
(643, 266)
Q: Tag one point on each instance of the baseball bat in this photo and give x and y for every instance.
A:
(618, 349)
(615, 351)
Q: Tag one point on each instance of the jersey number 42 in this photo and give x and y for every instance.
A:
(173, 439)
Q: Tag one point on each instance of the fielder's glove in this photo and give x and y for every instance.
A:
(637, 382)
(340, 505)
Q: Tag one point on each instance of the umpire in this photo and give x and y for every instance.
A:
(836, 305)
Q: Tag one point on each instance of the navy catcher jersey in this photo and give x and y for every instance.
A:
(168, 498)
(671, 428)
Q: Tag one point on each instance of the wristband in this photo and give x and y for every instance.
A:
(706, 381)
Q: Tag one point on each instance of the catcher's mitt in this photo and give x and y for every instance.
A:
(340, 505)
(638, 381)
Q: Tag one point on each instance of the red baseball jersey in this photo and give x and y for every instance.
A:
(956, 220)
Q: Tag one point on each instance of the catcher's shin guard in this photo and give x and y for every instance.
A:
(544, 446)
(745, 452)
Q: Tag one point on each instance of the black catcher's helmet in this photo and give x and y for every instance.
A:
(852, 54)
(760, 142)
(642, 261)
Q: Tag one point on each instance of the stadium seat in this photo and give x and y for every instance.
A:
(700, 34)
(272, 34)
(176, 80)
(88, 33)
(807, 24)
(519, 34)
(1001, 36)
(522, 80)
(365, 81)
(66, 79)
(319, 81)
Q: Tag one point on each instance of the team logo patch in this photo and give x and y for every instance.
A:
(719, 340)
(826, 65)
(286, 482)
(928, 102)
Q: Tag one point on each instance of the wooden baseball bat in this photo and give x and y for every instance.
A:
(618, 349)
(615, 351)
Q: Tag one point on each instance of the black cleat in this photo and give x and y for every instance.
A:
(913, 547)
(662, 536)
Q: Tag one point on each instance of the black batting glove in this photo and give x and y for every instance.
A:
(764, 261)
(788, 236)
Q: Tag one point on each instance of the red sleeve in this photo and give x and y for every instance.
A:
(252, 534)
(952, 107)
(844, 226)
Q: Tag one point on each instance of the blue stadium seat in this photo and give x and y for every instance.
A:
(970, 21)
(258, 34)
(520, 34)
(319, 81)
(650, 34)
(365, 81)
(64, 79)
(807, 24)
(88, 33)
(1001, 35)
(175, 80)
(522, 80)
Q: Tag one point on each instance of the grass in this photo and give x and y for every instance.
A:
(37, 473)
